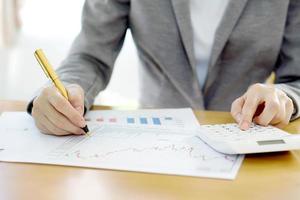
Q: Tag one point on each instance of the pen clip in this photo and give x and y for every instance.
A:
(36, 55)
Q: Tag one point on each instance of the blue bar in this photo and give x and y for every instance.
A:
(130, 120)
(143, 120)
(156, 121)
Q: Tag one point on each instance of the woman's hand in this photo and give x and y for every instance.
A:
(263, 104)
(55, 115)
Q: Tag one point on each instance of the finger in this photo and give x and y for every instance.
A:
(289, 108)
(248, 111)
(76, 97)
(55, 117)
(272, 111)
(36, 113)
(64, 107)
(51, 127)
(280, 125)
(236, 108)
(281, 114)
(41, 121)
(61, 121)
(42, 128)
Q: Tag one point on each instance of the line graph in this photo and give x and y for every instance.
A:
(190, 152)
(151, 149)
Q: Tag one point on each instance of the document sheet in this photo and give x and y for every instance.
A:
(154, 141)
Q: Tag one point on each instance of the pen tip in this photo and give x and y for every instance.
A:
(88, 134)
(86, 129)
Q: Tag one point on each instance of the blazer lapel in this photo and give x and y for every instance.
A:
(231, 16)
(182, 14)
(185, 78)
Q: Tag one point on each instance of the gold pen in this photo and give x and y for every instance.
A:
(50, 73)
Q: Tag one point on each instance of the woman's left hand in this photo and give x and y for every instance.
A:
(263, 104)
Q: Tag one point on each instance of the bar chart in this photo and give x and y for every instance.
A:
(137, 120)
(150, 118)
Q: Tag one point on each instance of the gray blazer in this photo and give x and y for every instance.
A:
(255, 37)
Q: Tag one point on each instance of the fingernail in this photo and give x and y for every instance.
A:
(244, 125)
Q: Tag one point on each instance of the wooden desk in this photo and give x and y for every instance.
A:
(274, 176)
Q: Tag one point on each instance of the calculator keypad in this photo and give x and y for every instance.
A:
(231, 132)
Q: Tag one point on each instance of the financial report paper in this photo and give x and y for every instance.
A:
(155, 141)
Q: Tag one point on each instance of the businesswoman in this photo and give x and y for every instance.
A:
(213, 55)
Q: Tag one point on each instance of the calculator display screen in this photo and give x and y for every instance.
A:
(270, 142)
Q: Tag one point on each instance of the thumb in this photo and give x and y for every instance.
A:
(76, 97)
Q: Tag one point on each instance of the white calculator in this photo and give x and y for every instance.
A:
(229, 139)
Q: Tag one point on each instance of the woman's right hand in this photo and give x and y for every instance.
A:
(53, 114)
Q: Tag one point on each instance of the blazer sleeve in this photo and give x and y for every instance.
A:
(94, 51)
(288, 65)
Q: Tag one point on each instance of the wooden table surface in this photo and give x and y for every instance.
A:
(274, 176)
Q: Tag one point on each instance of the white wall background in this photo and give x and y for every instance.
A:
(52, 25)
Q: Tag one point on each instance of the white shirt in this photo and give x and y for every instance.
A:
(206, 16)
